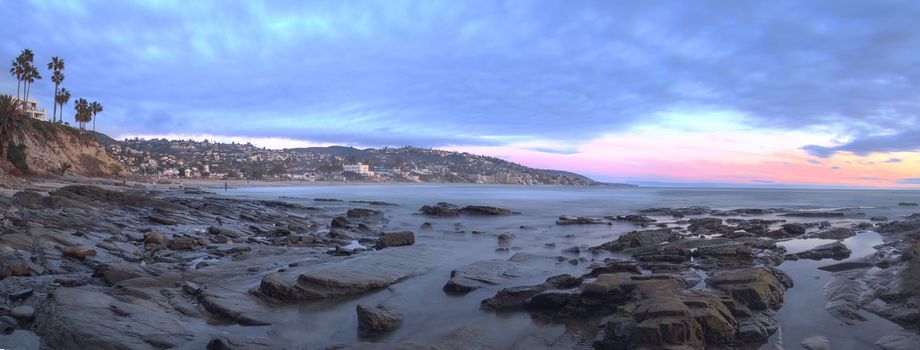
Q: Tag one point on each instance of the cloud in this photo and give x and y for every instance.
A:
(905, 141)
(814, 161)
(455, 71)
(893, 160)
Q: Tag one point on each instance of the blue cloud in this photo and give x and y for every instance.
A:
(910, 181)
(432, 73)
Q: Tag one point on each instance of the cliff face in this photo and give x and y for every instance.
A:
(50, 146)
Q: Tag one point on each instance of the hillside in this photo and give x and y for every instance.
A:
(404, 164)
(49, 147)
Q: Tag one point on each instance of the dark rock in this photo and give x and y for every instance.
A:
(794, 229)
(183, 243)
(879, 218)
(377, 319)
(340, 222)
(29, 200)
(637, 239)
(908, 204)
(114, 273)
(395, 239)
(835, 233)
(484, 210)
(21, 294)
(8, 324)
(442, 209)
(23, 313)
(815, 214)
(636, 219)
(757, 288)
(835, 250)
(581, 220)
(79, 253)
(844, 266)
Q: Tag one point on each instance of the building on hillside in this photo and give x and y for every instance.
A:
(34, 111)
(359, 168)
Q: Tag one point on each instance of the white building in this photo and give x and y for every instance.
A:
(33, 111)
(359, 168)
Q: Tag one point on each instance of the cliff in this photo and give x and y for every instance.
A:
(51, 147)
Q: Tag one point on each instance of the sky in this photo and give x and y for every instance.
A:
(754, 93)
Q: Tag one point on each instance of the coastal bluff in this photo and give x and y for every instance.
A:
(56, 149)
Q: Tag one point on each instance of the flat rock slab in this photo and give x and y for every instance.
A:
(87, 318)
(354, 275)
(493, 272)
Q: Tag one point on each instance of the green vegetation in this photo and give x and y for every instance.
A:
(12, 124)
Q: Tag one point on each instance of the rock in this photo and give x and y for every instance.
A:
(442, 209)
(900, 340)
(835, 233)
(581, 220)
(230, 308)
(638, 239)
(21, 294)
(155, 238)
(221, 231)
(835, 250)
(504, 237)
(879, 218)
(794, 229)
(757, 329)
(395, 239)
(361, 213)
(29, 199)
(183, 243)
(377, 319)
(340, 222)
(79, 253)
(114, 273)
(8, 324)
(816, 343)
(636, 219)
(352, 276)
(235, 342)
(845, 266)
(815, 214)
(425, 226)
(484, 210)
(908, 204)
(911, 225)
(162, 220)
(23, 313)
(757, 288)
(490, 272)
(87, 318)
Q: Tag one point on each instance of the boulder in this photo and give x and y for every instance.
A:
(23, 313)
(758, 288)
(79, 253)
(835, 233)
(794, 229)
(817, 342)
(395, 239)
(484, 210)
(361, 213)
(114, 273)
(581, 220)
(29, 200)
(183, 243)
(835, 250)
(340, 222)
(638, 239)
(442, 209)
(377, 319)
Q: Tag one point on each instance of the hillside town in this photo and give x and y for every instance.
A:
(219, 161)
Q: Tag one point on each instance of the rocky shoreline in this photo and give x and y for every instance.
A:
(126, 267)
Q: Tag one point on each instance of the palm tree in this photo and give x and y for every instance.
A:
(32, 74)
(25, 60)
(16, 71)
(81, 106)
(62, 98)
(12, 124)
(95, 108)
(57, 67)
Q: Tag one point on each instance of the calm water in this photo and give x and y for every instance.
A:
(430, 313)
